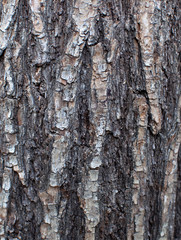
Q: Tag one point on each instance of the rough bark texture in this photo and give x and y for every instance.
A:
(90, 105)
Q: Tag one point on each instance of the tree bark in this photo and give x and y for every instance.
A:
(90, 107)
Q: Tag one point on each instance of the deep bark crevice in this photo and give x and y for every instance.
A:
(177, 229)
(25, 212)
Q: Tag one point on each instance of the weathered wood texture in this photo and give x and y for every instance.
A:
(90, 104)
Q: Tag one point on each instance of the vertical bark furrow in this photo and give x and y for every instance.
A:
(90, 119)
(24, 212)
(84, 97)
(177, 230)
(72, 223)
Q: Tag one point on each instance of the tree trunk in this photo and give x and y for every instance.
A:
(90, 103)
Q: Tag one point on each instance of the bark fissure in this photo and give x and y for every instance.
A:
(90, 119)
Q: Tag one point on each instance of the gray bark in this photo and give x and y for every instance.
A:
(90, 109)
